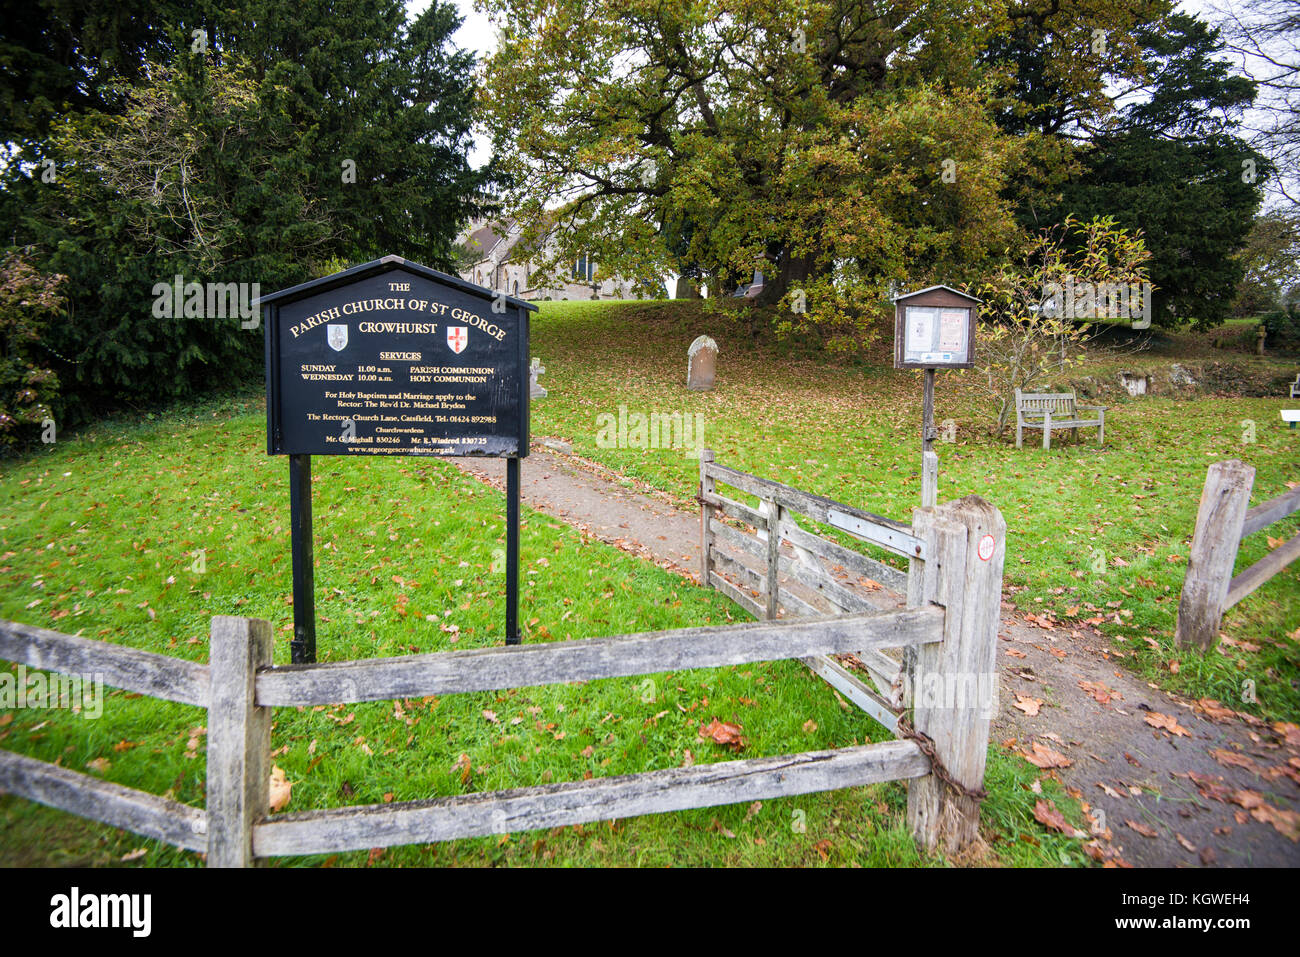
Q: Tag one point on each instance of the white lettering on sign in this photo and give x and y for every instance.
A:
(986, 548)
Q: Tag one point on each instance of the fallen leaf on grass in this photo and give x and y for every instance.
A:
(1047, 814)
(280, 789)
(1044, 757)
(99, 765)
(810, 726)
(753, 809)
(1165, 722)
(723, 733)
(465, 767)
(1028, 705)
(135, 855)
(716, 825)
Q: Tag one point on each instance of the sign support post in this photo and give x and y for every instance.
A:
(512, 551)
(303, 647)
(929, 461)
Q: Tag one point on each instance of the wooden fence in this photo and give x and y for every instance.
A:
(1222, 521)
(955, 557)
(949, 630)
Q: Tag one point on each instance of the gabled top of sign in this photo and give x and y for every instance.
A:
(379, 266)
(918, 292)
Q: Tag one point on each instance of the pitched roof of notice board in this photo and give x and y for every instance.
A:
(917, 292)
(380, 266)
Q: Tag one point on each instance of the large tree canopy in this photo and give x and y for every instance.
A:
(839, 146)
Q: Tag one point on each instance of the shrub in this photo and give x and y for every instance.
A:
(1282, 327)
(29, 300)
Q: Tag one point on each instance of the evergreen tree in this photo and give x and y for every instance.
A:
(251, 142)
(1172, 166)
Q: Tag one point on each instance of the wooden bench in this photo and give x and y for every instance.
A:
(1055, 410)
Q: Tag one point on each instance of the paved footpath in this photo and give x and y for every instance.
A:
(1178, 783)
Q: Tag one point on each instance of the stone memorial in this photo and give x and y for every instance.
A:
(701, 364)
(535, 391)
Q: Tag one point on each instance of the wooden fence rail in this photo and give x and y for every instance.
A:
(956, 554)
(1222, 521)
(754, 562)
(954, 612)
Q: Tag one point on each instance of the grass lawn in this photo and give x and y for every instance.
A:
(1097, 534)
(139, 532)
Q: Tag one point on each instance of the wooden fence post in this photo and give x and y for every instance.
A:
(1219, 521)
(929, 479)
(953, 685)
(239, 739)
(707, 487)
(774, 513)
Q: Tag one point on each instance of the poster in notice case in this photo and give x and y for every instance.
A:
(936, 336)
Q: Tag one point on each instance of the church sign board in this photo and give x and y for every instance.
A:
(393, 358)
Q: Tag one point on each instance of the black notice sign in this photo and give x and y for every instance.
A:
(392, 358)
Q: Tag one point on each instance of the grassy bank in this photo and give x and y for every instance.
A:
(1098, 534)
(138, 533)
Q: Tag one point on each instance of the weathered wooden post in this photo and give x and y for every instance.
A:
(239, 739)
(929, 480)
(774, 513)
(1219, 522)
(707, 487)
(952, 685)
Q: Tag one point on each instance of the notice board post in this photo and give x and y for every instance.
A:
(934, 328)
(393, 358)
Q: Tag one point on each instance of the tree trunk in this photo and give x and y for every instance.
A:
(791, 273)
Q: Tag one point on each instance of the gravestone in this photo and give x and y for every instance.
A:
(701, 364)
(535, 391)
(1134, 383)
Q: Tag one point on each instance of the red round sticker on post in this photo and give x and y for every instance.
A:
(986, 548)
